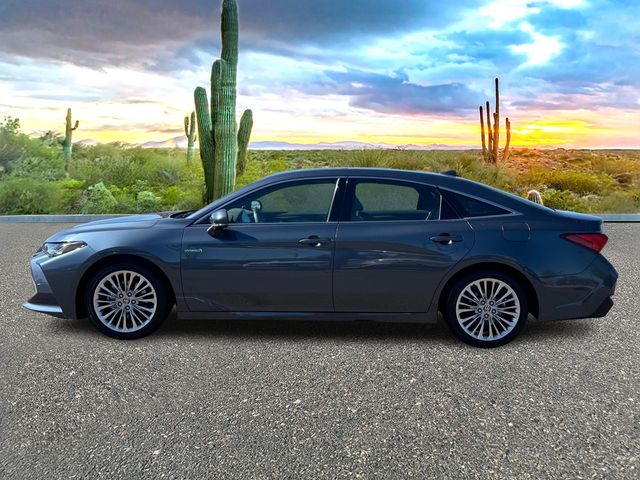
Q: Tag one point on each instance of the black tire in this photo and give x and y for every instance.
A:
(163, 304)
(485, 340)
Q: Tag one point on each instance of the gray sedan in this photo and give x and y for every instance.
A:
(334, 244)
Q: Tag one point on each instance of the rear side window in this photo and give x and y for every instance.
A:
(472, 207)
(380, 200)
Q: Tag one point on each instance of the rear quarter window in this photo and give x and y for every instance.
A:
(472, 207)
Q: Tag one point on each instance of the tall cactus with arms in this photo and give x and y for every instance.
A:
(190, 132)
(68, 134)
(217, 126)
(491, 145)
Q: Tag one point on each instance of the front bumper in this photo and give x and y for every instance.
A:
(43, 301)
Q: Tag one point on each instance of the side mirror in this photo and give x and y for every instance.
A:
(219, 221)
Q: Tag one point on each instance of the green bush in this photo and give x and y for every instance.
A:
(620, 202)
(71, 195)
(570, 180)
(23, 196)
(564, 200)
(99, 200)
(148, 202)
(126, 179)
(47, 166)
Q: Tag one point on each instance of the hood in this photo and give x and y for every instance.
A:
(118, 223)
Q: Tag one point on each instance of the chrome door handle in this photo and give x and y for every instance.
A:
(446, 239)
(314, 241)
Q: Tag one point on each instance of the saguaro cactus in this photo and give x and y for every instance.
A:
(190, 132)
(535, 196)
(67, 146)
(491, 145)
(217, 129)
(244, 132)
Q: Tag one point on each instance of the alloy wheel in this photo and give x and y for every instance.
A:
(487, 309)
(125, 301)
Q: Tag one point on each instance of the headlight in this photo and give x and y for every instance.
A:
(54, 249)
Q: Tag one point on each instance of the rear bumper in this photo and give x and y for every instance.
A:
(43, 301)
(603, 309)
(585, 295)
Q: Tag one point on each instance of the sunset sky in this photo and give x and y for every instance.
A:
(398, 72)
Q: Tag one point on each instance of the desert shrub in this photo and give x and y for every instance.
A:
(495, 175)
(148, 202)
(564, 200)
(71, 198)
(48, 165)
(570, 180)
(99, 200)
(20, 195)
(626, 171)
(273, 163)
(619, 202)
(105, 164)
(23, 156)
(368, 158)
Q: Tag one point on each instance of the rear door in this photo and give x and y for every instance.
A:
(395, 242)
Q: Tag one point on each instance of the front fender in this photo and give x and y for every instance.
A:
(68, 273)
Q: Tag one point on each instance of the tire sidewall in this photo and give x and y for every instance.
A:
(456, 289)
(162, 309)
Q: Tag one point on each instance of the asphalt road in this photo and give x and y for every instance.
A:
(243, 400)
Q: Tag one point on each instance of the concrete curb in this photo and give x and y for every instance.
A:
(609, 218)
(620, 217)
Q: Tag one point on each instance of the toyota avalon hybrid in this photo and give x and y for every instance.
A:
(334, 244)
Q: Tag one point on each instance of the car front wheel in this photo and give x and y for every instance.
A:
(127, 301)
(486, 309)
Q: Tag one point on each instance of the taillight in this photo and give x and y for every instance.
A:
(593, 241)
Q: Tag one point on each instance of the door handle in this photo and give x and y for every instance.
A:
(314, 241)
(446, 239)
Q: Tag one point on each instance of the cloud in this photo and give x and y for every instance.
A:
(125, 32)
(325, 58)
(396, 95)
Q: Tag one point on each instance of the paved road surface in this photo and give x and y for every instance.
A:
(315, 400)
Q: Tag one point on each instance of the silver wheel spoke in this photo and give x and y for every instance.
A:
(114, 297)
(488, 309)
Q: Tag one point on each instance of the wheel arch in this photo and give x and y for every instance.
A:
(521, 278)
(81, 310)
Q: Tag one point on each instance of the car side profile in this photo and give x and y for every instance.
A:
(334, 244)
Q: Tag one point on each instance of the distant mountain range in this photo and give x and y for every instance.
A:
(181, 142)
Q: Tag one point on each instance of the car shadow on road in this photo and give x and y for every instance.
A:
(357, 330)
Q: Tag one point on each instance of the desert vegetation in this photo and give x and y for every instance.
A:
(119, 178)
(40, 175)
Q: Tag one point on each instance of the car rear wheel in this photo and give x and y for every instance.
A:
(127, 301)
(486, 309)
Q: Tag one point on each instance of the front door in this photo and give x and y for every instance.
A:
(395, 242)
(275, 256)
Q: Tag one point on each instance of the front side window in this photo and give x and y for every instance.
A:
(379, 200)
(292, 202)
